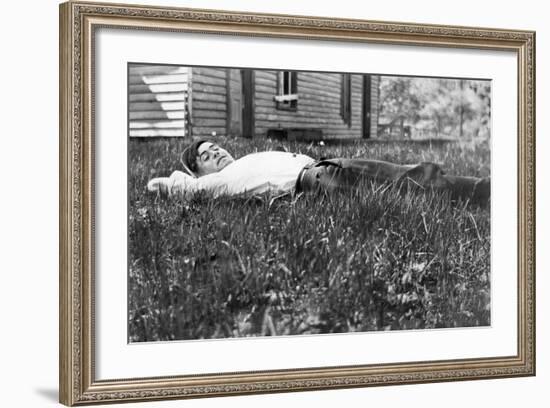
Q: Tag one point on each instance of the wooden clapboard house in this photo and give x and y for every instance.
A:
(203, 102)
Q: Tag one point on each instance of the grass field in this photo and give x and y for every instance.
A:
(367, 260)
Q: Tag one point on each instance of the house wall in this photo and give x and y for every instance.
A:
(208, 106)
(375, 99)
(158, 95)
(318, 104)
(234, 113)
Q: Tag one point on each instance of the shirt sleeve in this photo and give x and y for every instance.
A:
(185, 186)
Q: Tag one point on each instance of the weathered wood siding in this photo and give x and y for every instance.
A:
(158, 98)
(209, 106)
(318, 104)
(234, 107)
(374, 110)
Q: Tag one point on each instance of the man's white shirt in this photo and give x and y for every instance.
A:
(256, 173)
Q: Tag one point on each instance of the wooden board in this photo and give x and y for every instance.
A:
(158, 100)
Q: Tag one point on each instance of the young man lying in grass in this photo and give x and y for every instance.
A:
(212, 169)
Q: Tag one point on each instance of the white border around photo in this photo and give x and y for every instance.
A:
(115, 358)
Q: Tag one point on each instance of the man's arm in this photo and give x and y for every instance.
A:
(165, 185)
(183, 185)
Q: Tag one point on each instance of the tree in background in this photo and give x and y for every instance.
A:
(436, 107)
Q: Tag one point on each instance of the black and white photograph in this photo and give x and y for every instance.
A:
(276, 203)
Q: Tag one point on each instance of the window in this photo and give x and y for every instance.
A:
(287, 84)
(345, 99)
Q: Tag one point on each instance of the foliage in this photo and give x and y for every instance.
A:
(370, 260)
(452, 107)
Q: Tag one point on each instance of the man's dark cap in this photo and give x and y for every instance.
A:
(189, 156)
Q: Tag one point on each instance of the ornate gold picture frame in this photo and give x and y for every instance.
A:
(79, 383)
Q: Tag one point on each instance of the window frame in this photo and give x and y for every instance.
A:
(287, 99)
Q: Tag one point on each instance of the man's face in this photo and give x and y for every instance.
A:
(211, 158)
